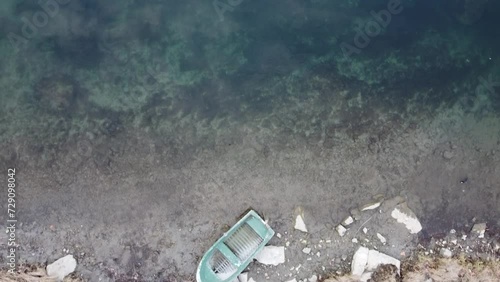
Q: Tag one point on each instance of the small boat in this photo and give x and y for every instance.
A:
(232, 253)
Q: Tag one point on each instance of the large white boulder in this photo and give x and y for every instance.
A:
(271, 255)
(376, 258)
(61, 267)
(365, 261)
(359, 261)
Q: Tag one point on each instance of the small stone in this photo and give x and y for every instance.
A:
(341, 230)
(381, 238)
(61, 267)
(348, 221)
(453, 231)
(354, 240)
(278, 235)
(306, 250)
(446, 253)
(299, 224)
(318, 254)
(365, 230)
(371, 206)
(405, 215)
(479, 229)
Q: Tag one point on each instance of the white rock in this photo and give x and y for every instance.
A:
(306, 250)
(300, 224)
(381, 238)
(365, 230)
(293, 280)
(313, 278)
(359, 261)
(365, 277)
(445, 253)
(341, 230)
(251, 279)
(371, 206)
(406, 216)
(479, 229)
(243, 277)
(376, 258)
(348, 221)
(354, 240)
(278, 235)
(61, 267)
(271, 255)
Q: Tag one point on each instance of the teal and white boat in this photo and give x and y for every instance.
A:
(232, 253)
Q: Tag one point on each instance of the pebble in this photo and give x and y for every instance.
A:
(341, 230)
(371, 206)
(446, 253)
(306, 250)
(479, 229)
(348, 221)
(381, 238)
(299, 224)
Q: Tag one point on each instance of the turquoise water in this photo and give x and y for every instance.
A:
(148, 65)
